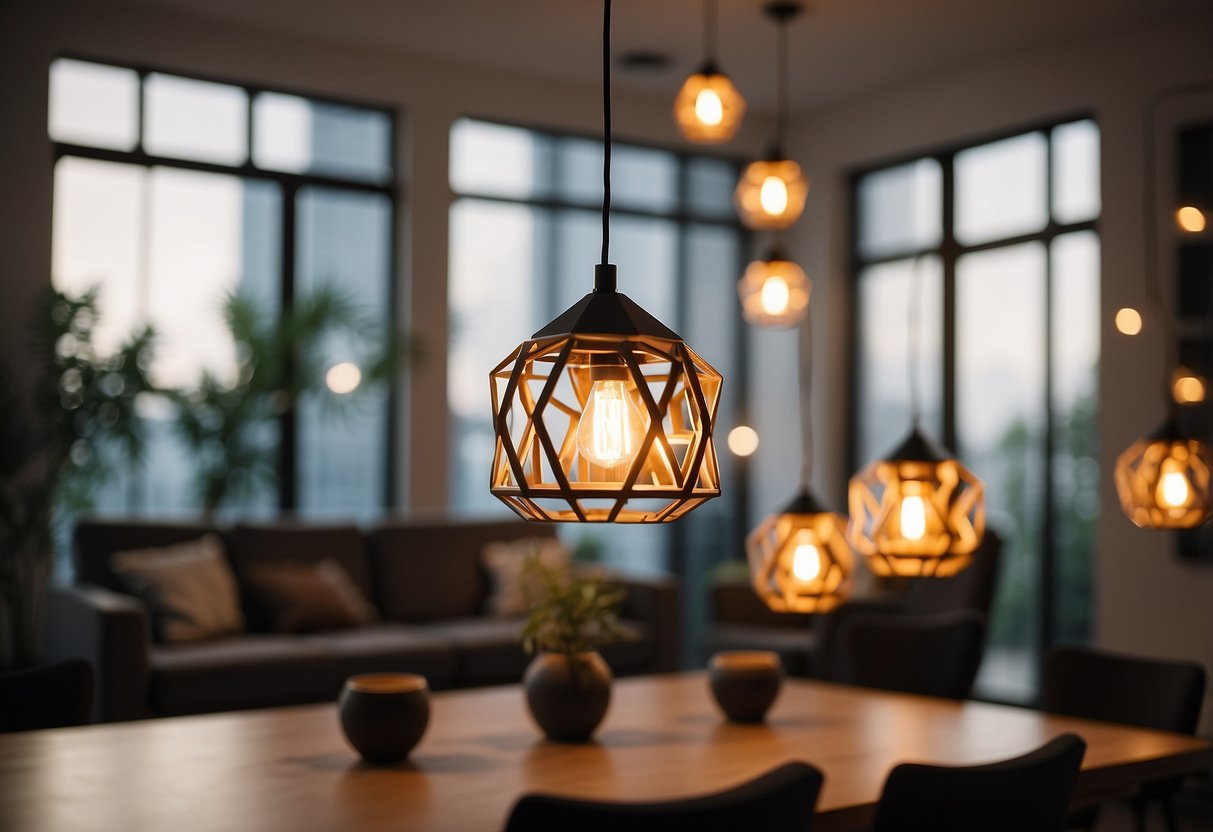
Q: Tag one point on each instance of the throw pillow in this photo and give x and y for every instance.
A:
(189, 588)
(506, 562)
(295, 597)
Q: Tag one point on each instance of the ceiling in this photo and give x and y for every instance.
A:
(840, 49)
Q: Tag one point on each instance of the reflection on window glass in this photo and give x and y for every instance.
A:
(900, 209)
(1076, 172)
(885, 297)
(305, 136)
(493, 159)
(188, 119)
(1000, 189)
(1000, 375)
(95, 105)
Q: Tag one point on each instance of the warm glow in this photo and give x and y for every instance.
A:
(1188, 389)
(913, 517)
(1163, 481)
(708, 108)
(611, 426)
(1190, 219)
(806, 563)
(1173, 490)
(743, 440)
(773, 195)
(343, 378)
(775, 295)
(1128, 321)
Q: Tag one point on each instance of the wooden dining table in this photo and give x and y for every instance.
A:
(291, 769)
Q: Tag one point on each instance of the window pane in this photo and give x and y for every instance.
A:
(1000, 390)
(900, 209)
(94, 104)
(496, 160)
(1000, 189)
(191, 119)
(710, 184)
(640, 178)
(304, 136)
(774, 404)
(345, 246)
(1075, 298)
(1076, 172)
(885, 294)
(496, 253)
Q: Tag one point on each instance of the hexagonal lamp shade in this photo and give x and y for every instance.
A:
(604, 415)
(770, 194)
(708, 109)
(1163, 480)
(774, 291)
(799, 558)
(917, 513)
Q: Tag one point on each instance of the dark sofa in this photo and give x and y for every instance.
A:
(424, 577)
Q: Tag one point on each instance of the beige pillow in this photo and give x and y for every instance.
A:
(189, 587)
(505, 562)
(295, 597)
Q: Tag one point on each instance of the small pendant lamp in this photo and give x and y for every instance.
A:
(918, 512)
(771, 193)
(709, 109)
(799, 557)
(605, 414)
(1163, 480)
(774, 291)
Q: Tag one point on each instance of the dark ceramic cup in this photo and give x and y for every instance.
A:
(384, 714)
(745, 683)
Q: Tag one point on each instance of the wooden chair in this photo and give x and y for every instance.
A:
(782, 800)
(1110, 687)
(1025, 793)
(932, 655)
(51, 696)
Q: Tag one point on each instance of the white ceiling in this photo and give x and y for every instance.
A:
(840, 49)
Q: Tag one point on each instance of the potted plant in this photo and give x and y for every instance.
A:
(568, 685)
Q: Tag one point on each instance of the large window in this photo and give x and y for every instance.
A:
(1003, 237)
(173, 192)
(524, 238)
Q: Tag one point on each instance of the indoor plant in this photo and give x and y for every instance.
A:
(568, 685)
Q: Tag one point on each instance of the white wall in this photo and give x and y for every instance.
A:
(429, 94)
(1147, 600)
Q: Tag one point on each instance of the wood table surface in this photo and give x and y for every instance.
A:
(290, 769)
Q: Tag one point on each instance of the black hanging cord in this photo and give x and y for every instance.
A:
(781, 84)
(710, 37)
(914, 339)
(606, 131)
(1149, 206)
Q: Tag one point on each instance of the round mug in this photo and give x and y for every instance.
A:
(745, 683)
(384, 715)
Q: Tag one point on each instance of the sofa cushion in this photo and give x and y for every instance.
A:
(249, 671)
(510, 584)
(427, 570)
(304, 597)
(395, 648)
(95, 541)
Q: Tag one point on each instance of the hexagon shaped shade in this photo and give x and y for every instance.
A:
(916, 514)
(604, 428)
(770, 194)
(774, 292)
(1163, 481)
(708, 109)
(801, 562)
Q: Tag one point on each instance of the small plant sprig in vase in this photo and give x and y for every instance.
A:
(568, 684)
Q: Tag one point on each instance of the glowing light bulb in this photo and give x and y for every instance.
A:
(1190, 219)
(775, 295)
(773, 196)
(343, 378)
(708, 107)
(1128, 320)
(913, 517)
(806, 563)
(743, 440)
(1173, 488)
(611, 426)
(1188, 389)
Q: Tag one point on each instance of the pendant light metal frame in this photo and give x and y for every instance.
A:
(750, 288)
(709, 77)
(542, 390)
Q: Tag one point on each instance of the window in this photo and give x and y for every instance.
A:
(524, 238)
(1003, 235)
(171, 193)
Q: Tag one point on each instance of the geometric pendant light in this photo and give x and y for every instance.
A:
(918, 512)
(604, 414)
(774, 291)
(771, 192)
(709, 109)
(799, 557)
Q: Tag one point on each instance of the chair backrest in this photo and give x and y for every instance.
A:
(1096, 684)
(53, 696)
(933, 655)
(1031, 792)
(971, 589)
(782, 800)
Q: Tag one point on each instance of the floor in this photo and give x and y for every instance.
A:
(1194, 808)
